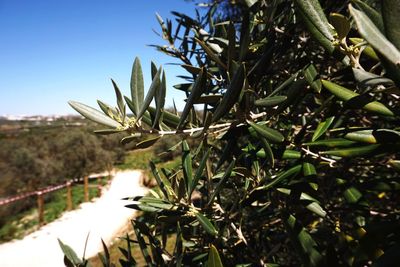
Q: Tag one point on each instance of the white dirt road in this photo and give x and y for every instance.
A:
(104, 218)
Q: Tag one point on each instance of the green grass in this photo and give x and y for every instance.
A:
(27, 222)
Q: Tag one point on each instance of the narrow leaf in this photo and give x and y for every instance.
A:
(70, 253)
(283, 176)
(187, 165)
(226, 175)
(346, 94)
(371, 33)
(150, 94)
(270, 101)
(198, 88)
(303, 242)
(322, 128)
(120, 100)
(268, 133)
(352, 152)
(93, 114)
(231, 95)
(199, 171)
(364, 136)
(137, 86)
(207, 225)
(313, 10)
(160, 100)
(391, 15)
(214, 259)
(147, 143)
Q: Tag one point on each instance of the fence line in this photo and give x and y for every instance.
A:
(8, 200)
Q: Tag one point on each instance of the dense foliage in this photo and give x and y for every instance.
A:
(296, 133)
(33, 157)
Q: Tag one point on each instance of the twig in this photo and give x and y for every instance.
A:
(317, 156)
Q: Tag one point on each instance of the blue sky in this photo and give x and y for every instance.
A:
(55, 51)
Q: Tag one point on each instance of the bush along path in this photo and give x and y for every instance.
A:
(102, 219)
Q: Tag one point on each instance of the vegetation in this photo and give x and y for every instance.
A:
(34, 155)
(292, 159)
(20, 224)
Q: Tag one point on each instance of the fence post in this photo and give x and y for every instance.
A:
(86, 188)
(99, 185)
(40, 203)
(69, 196)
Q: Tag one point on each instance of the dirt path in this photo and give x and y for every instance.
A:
(103, 218)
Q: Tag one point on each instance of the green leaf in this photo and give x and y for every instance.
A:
(160, 100)
(371, 33)
(147, 143)
(270, 101)
(309, 169)
(352, 152)
(120, 100)
(373, 14)
(366, 79)
(205, 222)
(169, 118)
(291, 154)
(303, 242)
(187, 165)
(364, 136)
(198, 88)
(107, 262)
(161, 183)
(322, 128)
(199, 171)
(142, 245)
(268, 133)
(341, 24)
(108, 110)
(313, 11)
(128, 139)
(150, 94)
(352, 195)
(333, 142)
(391, 15)
(70, 254)
(225, 176)
(318, 35)
(137, 86)
(231, 95)
(346, 94)
(283, 176)
(311, 76)
(93, 114)
(214, 259)
(268, 151)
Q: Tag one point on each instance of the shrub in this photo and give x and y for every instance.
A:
(297, 137)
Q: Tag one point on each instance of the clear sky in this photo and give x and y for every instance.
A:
(52, 51)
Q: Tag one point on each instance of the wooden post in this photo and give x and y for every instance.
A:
(40, 203)
(86, 188)
(99, 185)
(69, 196)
